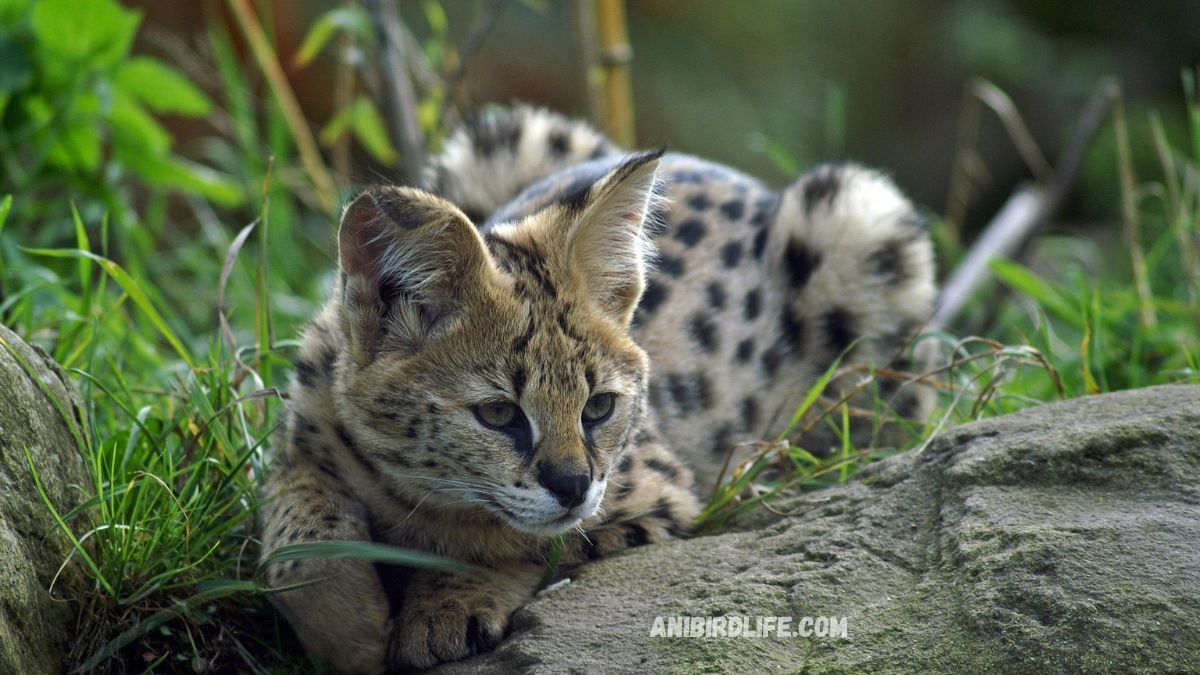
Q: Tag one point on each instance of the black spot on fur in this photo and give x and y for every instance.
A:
(759, 245)
(751, 413)
(703, 391)
(670, 471)
(699, 202)
(745, 350)
(733, 209)
(489, 133)
(731, 254)
(888, 262)
(752, 306)
(652, 297)
(716, 295)
(765, 208)
(670, 265)
(345, 437)
(328, 468)
(704, 332)
(522, 341)
(689, 232)
(771, 358)
(800, 262)
(839, 329)
(677, 386)
(518, 380)
(823, 185)
(305, 373)
(791, 329)
(626, 464)
(722, 440)
(560, 143)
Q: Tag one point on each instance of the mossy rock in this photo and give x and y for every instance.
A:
(1065, 538)
(34, 626)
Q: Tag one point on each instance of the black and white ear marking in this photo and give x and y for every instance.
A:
(608, 246)
(406, 257)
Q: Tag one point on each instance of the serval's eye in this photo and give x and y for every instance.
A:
(497, 414)
(598, 408)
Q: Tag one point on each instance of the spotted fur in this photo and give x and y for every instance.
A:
(703, 302)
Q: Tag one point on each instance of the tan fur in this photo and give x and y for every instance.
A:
(555, 302)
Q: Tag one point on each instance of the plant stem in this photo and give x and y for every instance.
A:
(265, 56)
(398, 89)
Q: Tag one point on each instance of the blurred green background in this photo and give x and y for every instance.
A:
(876, 81)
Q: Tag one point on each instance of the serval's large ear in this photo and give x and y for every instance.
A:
(408, 260)
(608, 247)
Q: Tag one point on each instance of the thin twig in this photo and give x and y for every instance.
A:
(398, 89)
(474, 42)
(1010, 232)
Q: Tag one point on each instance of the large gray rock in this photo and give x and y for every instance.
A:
(1065, 538)
(34, 627)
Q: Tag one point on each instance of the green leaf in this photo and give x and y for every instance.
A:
(16, 71)
(171, 171)
(13, 11)
(365, 550)
(351, 19)
(130, 286)
(134, 130)
(77, 146)
(160, 87)
(98, 32)
(364, 121)
(1023, 280)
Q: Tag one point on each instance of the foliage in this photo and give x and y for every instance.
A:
(77, 110)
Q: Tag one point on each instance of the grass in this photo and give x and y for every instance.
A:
(177, 337)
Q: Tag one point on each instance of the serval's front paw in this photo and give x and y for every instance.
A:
(432, 630)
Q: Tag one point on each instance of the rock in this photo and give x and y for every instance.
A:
(34, 627)
(1065, 538)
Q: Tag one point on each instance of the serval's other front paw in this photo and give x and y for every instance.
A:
(448, 618)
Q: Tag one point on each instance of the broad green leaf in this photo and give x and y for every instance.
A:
(135, 130)
(363, 120)
(15, 69)
(370, 130)
(12, 11)
(160, 87)
(76, 147)
(351, 19)
(1023, 280)
(172, 171)
(99, 32)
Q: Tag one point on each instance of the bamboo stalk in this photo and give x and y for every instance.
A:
(615, 55)
(583, 16)
(306, 144)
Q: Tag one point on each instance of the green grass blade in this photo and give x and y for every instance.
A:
(130, 286)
